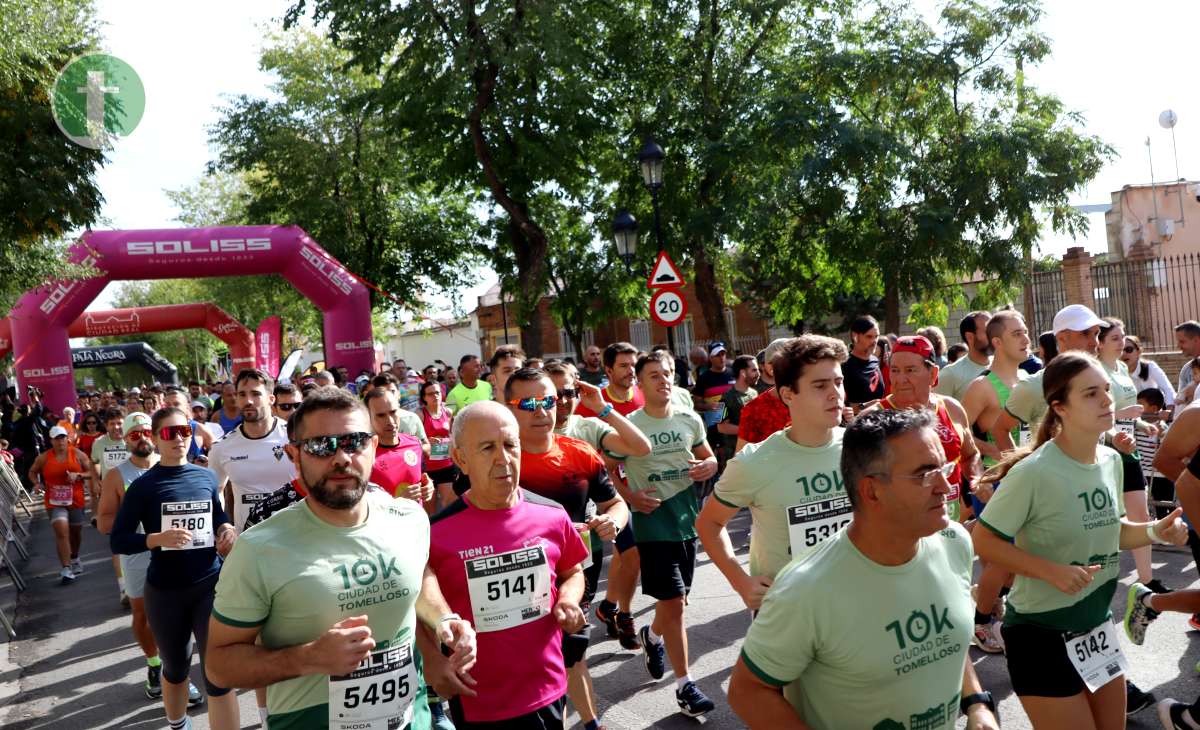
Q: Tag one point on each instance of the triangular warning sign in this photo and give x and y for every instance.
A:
(664, 274)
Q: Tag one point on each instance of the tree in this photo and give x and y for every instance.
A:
(321, 156)
(48, 188)
(498, 97)
(939, 160)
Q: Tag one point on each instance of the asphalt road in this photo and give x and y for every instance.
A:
(75, 665)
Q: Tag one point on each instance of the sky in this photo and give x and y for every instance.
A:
(1116, 64)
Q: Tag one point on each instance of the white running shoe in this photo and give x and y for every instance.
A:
(76, 566)
(67, 575)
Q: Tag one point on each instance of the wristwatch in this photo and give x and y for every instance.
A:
(985, 697)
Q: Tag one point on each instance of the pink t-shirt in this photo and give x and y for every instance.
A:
(520, 668)
(398, 466)
(438, 432)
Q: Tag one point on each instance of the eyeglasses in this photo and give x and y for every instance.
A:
(929, 478)
(568, 394)
(1130, 349)
(144, 433)
(287, 406)
(170, 433)
(326, 446)
(532, 404)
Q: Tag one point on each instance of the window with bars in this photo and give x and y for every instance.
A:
(639, 334)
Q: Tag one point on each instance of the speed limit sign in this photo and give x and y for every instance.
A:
(668, 307)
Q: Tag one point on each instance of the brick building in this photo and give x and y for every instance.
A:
(748, 332)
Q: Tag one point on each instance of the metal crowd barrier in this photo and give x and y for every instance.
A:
(13, 531)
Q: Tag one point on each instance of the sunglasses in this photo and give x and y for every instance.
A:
(170, 433)
(568, 394)
(287, 406)
(326, 446)
(144, 433)
(532, 404)
(1130, 349)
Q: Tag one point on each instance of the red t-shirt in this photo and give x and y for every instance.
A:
(491, 550)
(570, 473)
(622, 407)
(762, 417)
(399, 466)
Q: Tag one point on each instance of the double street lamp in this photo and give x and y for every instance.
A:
(625, 227)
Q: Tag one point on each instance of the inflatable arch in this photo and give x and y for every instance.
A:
(164, 318)
(42, 316)
(127, 353)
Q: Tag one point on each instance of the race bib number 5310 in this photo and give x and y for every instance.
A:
(509, 589)
(811, 524)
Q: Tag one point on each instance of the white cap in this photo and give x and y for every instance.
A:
(135, 390)
(1076, 318)
(57, 431)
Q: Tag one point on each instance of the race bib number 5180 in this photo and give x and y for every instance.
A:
(195, 517)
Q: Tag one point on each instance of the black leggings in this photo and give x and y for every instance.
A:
(175, 616)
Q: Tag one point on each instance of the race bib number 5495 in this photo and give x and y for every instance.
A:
(376, 696)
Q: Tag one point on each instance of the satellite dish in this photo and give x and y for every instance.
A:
(1167, 119)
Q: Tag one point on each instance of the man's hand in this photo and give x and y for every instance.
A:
(1125, 443)
(983, 491)
(1172, 529)
(979, 717)
(604, 527)
(341, 649)
(644, 502)
(701, 469)
(1071, 579)
(569, 616)
(176, 537)
(459, 637)
(225, 540)
(441, 675)
(753, 590)
(590, 397)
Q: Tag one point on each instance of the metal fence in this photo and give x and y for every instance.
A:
(13, 533)
(1150, 295)
(1049, 296)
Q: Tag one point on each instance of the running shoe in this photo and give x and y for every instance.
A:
(608, 617)
(986, 640)
(627, 633)
(692, 701)
(1194, 621)
(655, 654)
(153, 682)
(124, 600)
(440, 720)
(66, 575)
(1157, 586)
(1137, 615)
(195, 699)
(76, 566)
(1136, 700)
(1170, 714)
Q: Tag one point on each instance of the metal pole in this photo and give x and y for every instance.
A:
(504, 314)
(661, 247)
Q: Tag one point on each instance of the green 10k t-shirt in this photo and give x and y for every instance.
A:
(665, 470)
(856, 644)
(296, 575)
(1066, 512)
(795, 494)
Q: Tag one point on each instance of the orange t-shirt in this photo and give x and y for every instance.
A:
(61, 491)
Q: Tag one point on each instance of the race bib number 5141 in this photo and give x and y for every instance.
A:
(509, 589)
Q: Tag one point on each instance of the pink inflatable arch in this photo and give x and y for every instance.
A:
(41, 317)
(160, 318)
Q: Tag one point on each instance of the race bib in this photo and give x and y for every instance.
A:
(1026, 436)
(376, 696)
(114, 457)
(61, 496)
(812, 523)
(439, 449)
(1126, 426)
(1097, 656)
(195, 517)
(509, 589)
(587, 540)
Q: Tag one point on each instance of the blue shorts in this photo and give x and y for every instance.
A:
(976, 505)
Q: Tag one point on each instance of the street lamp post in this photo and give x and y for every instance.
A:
(650, 159)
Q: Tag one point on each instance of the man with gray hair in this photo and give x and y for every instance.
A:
(823, 641)
(325, 378)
